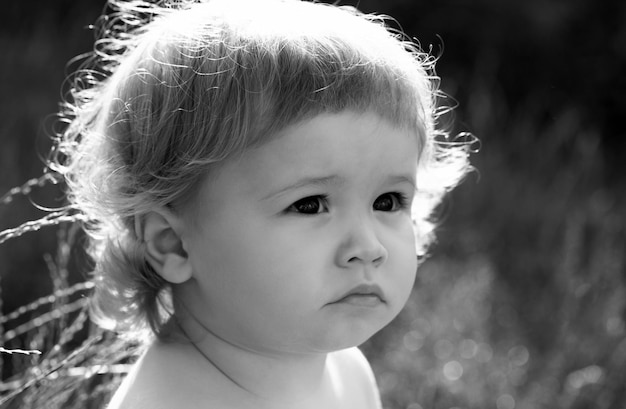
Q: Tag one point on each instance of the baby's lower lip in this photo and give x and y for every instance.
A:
(361, 300)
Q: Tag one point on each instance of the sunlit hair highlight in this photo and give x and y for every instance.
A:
(174, 88)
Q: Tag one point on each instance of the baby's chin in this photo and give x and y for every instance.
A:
(349, 337)
(354, 325)
(351, 330)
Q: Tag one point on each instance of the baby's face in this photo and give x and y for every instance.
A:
(306, 243)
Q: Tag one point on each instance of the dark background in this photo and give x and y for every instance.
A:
(522, 302)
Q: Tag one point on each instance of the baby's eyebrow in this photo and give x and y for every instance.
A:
(399, 179)
(306, 181)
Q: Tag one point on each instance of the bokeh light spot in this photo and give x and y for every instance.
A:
(615, 326)
(413, 341)
(519, 355)
(505, 401)
(387, 381)
(453, 370)
(585, 376)
(484, 353)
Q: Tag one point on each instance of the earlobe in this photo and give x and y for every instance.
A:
(164, 246)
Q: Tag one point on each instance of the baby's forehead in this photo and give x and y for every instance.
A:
(340, 152)
(341, 133)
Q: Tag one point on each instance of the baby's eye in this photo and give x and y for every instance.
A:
(310, 205)
(390, 202)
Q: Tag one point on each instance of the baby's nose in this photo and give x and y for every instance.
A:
(361, 245)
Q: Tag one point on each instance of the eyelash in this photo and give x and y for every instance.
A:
(319, 201)
(319, 204)
(399, 201)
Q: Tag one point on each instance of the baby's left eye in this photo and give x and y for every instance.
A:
(390, 202)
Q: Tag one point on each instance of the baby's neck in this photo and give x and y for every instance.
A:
(267, 379)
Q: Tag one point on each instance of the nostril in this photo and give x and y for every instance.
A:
(356, 259)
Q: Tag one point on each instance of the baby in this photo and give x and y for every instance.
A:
(258, 177)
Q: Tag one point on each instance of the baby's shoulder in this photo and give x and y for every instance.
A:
(355, 375)
(134, 391)
(160, 378)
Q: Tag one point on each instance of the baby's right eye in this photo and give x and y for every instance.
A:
(310, 205)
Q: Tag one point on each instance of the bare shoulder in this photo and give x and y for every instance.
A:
(357, 377)
(161, 370)
(134, 392)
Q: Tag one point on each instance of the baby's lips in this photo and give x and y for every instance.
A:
(362, 292)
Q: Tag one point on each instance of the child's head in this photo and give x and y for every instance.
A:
(189, 88)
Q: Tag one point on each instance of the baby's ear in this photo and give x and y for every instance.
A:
(160, 231)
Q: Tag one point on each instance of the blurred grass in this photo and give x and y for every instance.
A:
(522, 302)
